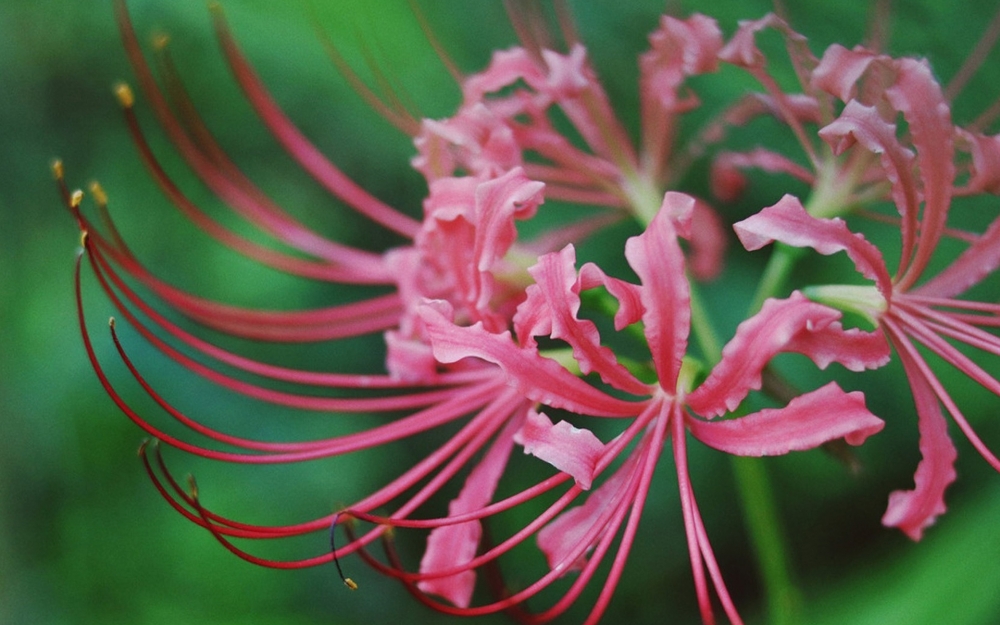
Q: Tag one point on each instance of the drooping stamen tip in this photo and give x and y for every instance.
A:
(160, 41)
(98, 192)
(75, 199)
(192, 486)
(111, 322)
(350, 583)
(124, 94)
(57, 169)
(83, 239)
(141, 452)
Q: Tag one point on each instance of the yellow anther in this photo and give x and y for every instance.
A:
(124, 94)
(98, 192)
(57, 169)
(350, 583)
(160, 41)
(83, 238)
(75, 198)
(111, 322)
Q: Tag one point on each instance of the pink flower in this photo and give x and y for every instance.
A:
(465, 258)
(577, 538)
(508, 119)
(464, 251)
(483, 332)
(920, 175)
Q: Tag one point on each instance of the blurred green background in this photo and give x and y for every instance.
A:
(85, 539)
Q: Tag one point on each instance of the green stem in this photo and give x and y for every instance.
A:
(702, 328)
(767, 537)
(776, 273)
(760, 511)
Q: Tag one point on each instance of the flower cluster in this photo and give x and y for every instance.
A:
(504, 342)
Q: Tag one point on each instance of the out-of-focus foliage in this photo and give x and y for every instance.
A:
(85, 539)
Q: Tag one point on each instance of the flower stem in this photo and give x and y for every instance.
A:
(756, 496)
(776, 273)
(760, 514)
(702, 328)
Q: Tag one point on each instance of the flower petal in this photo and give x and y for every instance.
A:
(865, 125)
(917, 95)
(657, 259)
(449, 546)
(840, 70)
(742, 48)
(808, 421)
(562, 536)
(913, 510)
(541, 379)
(756, 342)
(985, 167)
(788, 222)
(853, 348)
(571, 450)
(551, 308)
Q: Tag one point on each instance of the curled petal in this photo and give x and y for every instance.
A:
(914, 510)
(475, 139)
(853, 348)
(506, 68)
(864, 124)
(657, 259)
(551, 307)
(788, 222)
(985, 152)
(917, 95)
(742, 49)
(562, 536)
(840, 70)
(757, 341)
(498, 203)
(539, 378)
(569, 74)
(678, 48)
(727, 165)
(451, 545)
(628, 295)
(808, 421)
(571, 450)
(407, 359)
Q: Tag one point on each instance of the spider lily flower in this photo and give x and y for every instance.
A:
(841, 179)
(616, 475)
(464, 251)
(909, 307)
(508, 118)
(464, 255)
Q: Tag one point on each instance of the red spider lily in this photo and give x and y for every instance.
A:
(841, 180)
(920, 172)
(576, 539)
(473, 217)
(507, 119)
(465, 253)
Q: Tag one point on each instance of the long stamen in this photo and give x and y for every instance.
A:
(350, 583)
